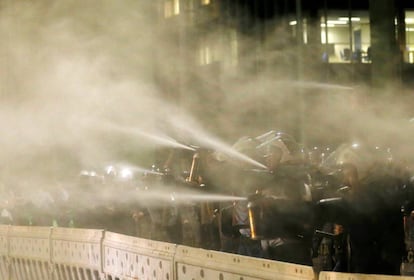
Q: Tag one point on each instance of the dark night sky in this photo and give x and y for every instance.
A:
(266, 9)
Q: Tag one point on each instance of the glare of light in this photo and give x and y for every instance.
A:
(355, 145)
(126, 173)
(176, 5)
(110, 169)
(293, 22)
(84, 173)
(409, 20)
(337, 22)
(347, 19)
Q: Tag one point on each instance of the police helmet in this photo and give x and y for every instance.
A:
(288, 150)
(362, 156)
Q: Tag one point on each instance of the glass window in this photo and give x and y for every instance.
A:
(294, 29)
(346, 37)
(168, 9)
(220, 46)
(234, 48)
(208, 49)
(176, 5)
(171, 7)
(205, 56)
(409, 36)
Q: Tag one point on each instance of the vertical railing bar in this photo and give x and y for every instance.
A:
(3, 268)
(58, 272)
(81, 272)
(8, 260)
(26, 269)
(64, 272)
(51, 265)
(17, 268)
(37, 270)
(101, 248)
(41, 270)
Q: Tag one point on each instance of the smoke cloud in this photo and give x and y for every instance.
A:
(69, 68)
(78, 91)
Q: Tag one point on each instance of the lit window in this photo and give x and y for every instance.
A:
(167, 9)
(176, 7)
(171, 7)
(234, 48)
(409, 37)
(346, 39)
(205, 55)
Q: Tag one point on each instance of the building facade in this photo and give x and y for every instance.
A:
(255, 34)
(214, 45)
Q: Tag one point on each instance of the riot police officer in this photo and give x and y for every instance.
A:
(368, 210)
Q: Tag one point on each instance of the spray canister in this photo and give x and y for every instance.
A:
(194, 168)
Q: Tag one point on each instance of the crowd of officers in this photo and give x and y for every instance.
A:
(347, 210)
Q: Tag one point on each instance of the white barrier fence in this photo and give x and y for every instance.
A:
(38, 253)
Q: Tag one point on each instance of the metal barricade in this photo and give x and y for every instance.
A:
(354, 276)
(77, 253)
(194, 263)
(43, 253)
(127, 257)
(29, 253)
(4, 252)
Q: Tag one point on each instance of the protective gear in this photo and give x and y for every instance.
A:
(317, 155)
(89, 178)
(363, 157)
(370, 210)
(279, 148)
(247, 146)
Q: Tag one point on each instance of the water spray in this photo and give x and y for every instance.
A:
(140, 169)
(214, 143)
(158, 139)
(179, 196)
(264, 136)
